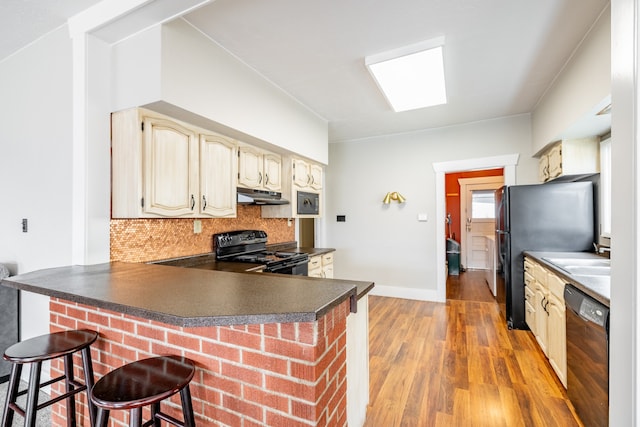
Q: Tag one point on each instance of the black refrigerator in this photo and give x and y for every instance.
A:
(556, 217)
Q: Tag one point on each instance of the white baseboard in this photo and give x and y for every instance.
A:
(406, 293)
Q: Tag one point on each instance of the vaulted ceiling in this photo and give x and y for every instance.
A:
(500, 55)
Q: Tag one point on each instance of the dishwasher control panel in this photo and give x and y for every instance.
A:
(593, 311)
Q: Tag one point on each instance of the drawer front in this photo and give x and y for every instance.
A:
(530, 316)
(528, 279)
(315, 262)
(528, 266)
(327, 259)
(529, 294)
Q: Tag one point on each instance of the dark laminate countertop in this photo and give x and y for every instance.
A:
(597, 287)
(191, 296)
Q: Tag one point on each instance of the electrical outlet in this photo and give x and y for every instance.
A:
(25, 225)
(197, 226)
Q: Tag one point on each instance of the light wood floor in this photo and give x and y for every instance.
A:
(456, 364)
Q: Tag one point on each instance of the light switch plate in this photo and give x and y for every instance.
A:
(423, 217)
(197, 226)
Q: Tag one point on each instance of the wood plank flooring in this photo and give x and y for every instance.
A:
(456, 364)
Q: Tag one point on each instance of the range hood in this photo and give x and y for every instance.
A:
(248, 196)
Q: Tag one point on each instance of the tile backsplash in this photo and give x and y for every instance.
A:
(142, 240)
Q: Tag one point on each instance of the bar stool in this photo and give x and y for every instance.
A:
(37, 350)
(146, 382)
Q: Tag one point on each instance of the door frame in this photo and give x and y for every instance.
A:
(508, 162)
(483, 183)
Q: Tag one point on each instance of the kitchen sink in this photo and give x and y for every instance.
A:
(588, 262)
(583, 266)
(588, 270)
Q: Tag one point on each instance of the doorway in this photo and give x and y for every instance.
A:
(507, 162)
(307, 232)
(477, 207)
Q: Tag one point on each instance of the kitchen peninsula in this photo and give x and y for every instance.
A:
(270, 349)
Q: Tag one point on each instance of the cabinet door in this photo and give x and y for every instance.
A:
(218, 169)
(315, 171)
(272, 172)
(543, 168)
(250, 167)
(557, 347)
(170, 168)
(555, 161)
(301, 174)
(541, 302)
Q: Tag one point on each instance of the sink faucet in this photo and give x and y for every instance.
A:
(601, 249)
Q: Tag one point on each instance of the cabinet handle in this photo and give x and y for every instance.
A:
(204, 202)
(266, 178)
(259, 177)
(308, 179)
(193, 202)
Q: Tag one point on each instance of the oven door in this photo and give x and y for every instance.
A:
(298, 268)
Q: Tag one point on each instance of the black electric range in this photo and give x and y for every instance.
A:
(250, 246)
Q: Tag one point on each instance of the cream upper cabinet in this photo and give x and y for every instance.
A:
(171, 168)
(315, 171)
(543, 168)
(272, 172)
(219, 167)
(250, 167)
(259, 169)
(570, 157)
(306, 174)
(298, 175)
(164, 168)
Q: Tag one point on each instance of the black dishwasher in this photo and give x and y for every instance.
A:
(587, 356)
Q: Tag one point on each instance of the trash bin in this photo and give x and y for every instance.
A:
(453, 257)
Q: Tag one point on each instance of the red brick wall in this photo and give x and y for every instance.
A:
(280, 374)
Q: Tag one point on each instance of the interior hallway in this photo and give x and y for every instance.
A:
(456, 364)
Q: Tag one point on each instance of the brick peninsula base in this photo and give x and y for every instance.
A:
(275, 374)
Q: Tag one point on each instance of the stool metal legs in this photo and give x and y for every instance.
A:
(12, 393)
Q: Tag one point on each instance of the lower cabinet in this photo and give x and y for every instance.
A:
(557, 327)
(545, 315)
(321, 266)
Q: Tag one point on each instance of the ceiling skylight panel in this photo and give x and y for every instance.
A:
(411, 77)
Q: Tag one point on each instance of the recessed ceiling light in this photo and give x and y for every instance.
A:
(411, 77)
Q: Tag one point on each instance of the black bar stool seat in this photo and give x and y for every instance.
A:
(36, 350)
(142, 383)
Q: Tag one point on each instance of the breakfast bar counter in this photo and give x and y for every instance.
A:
(270, 349)
(191, 297)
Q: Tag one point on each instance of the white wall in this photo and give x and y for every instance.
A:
(583, 85)
(182, 73)
(35, 165)
(386, 243)
(624, 394)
